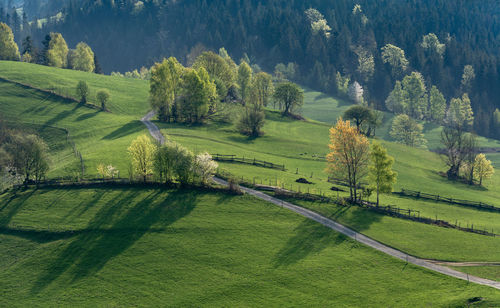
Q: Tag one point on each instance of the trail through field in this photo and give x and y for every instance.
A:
(465, 264)
(155, 132)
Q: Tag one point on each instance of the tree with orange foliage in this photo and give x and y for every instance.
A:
(349, 155)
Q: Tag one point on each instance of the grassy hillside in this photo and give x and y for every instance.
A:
(147, 247)
(300, 145)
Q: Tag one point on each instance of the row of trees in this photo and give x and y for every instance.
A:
(169, 162)
(352, 159)
(55, 52)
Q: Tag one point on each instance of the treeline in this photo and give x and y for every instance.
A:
(339, 41)
(55, 51)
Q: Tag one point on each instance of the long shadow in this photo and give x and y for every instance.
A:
(62, 115)
(127, 129)
(90, 251)
(12, 206)
(87, 116)
(310, 238)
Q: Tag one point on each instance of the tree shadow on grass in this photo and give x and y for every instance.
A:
(87, 116)
(12, 206)
(115, 228)
(125, 130)
(310, 238)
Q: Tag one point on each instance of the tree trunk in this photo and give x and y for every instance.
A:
(377, 192)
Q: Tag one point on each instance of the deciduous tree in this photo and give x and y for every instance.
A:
(82, 58)
(482, 168)
(142, 152)
(437, 105)
(8, 47)
(289, 97)
(103, 98)
(57, 52)
(396, 58)
(407, 131)
(381, 175)
(82, 91)
(262, 88)
(349, 155)
(244, 80)
(165, 86)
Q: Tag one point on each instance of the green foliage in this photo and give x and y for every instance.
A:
(244, 80)
(363, 117)
(395, 102)
(415, 97)
(366, 63)
(165, 86)
(284, 72)
(289, 97)
(431, 43)
(57, 53)
(8, 47)
(396, 58)
(460, 113)
(407, 131)
(482, 168)
(381, 176)
(28, 156)
(197, 93)
(342, 84)
(82, 91)
(437, 105)
(251, 120)
(103, 98)
(82, 58)
(261, 89)
(218, 68)
(174, 162)
(142, 152)
(467, 78)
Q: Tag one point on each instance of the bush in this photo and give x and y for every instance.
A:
(251, 121)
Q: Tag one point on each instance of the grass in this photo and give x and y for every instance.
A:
(148, 247)
(300, 145)
(488, 272)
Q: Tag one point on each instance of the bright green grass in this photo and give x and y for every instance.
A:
(146, 247)
(488, 272)
(128, 96)
(101, 137)
(418, 239)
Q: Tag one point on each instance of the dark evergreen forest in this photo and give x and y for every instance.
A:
(128, 34)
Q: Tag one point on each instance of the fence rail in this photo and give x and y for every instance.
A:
(248, 161)
(422, 195)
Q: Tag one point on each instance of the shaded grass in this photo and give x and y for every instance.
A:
(183, 248)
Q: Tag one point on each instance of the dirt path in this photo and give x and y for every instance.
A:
(155, 132)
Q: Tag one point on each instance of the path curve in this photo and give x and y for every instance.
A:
(155, 132)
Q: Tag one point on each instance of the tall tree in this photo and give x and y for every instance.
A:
(349, 155)
(219, 70)
(262, 88)
(82, 58)
(244, 79)
(437, 105)
(289, 97)
(142, 152)
(415, 95)
(460, 113)
(468, 77)
(396, 58)
(430, 42)
(381, 174)
(57, 53)
(165, 86)
(8, 47)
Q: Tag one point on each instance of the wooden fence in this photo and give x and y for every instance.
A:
(438, 198)
(248, 161)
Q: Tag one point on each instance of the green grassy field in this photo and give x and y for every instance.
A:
(148, 247)
(300, 145)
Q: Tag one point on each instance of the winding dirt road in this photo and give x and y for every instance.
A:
(434, 266)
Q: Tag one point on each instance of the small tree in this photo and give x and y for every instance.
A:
(82, 91)
(103, 98)
(349, 155)
(362, 116)
(289, 97)
(29, 156)
(204, 167)
(356, 93)
(142, 151)
(381, 174)
(407, 131)
(251, 121)
(482, 168)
